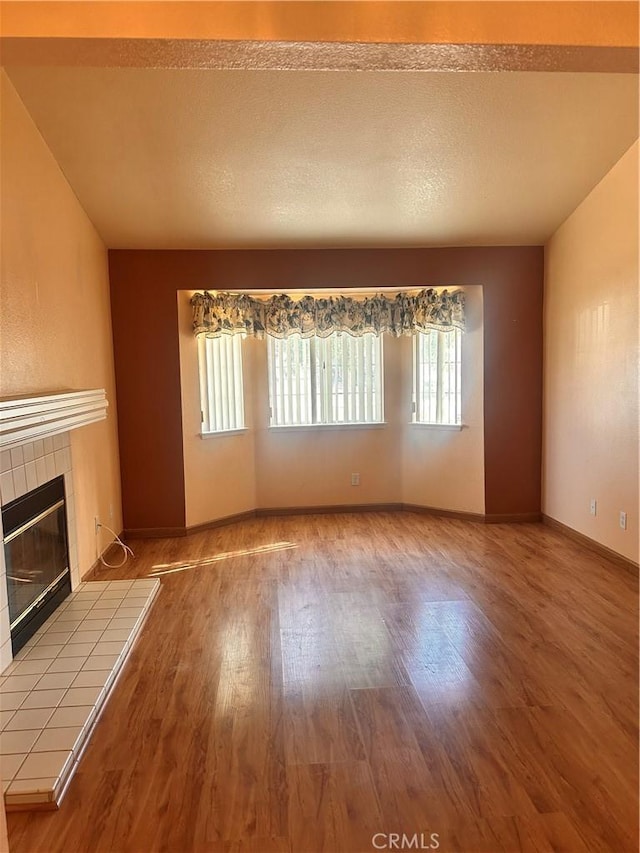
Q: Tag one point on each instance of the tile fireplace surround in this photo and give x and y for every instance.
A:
(52, 693)
(21, 469)
(35, 447)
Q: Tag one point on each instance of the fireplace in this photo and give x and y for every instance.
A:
(36, 552)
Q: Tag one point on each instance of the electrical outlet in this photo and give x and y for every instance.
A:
(623, 520)
(355, 479)
(593, 507)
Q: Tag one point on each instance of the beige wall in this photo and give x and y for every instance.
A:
(444, 468)
(591, 363)
(446, 21)
(302, 467)
(55, 329)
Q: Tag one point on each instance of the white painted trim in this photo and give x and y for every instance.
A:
(427, 425)
(222, 432)
(311, 427)
(24, 419)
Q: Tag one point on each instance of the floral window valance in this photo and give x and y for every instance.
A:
(219, 313)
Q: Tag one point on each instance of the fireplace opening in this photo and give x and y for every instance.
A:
(36, 551)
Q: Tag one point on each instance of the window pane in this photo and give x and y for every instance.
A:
(332, 380)
(437, 377)
(350, 378)
(221, 390)
(290, 397)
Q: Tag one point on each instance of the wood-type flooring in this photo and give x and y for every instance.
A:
(334, 682)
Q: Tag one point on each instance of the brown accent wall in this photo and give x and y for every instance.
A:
(144, 316)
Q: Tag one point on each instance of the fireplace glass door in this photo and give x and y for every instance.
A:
(36, 555)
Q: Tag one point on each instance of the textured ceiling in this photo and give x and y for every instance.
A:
(212, 159)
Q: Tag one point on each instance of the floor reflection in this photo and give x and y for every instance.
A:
(182, 566)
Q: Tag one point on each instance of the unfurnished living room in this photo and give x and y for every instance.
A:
(319, 426)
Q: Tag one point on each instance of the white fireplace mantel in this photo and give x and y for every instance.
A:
(24, 419)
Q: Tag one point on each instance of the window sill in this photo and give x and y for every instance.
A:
(313, 427)
(223, 432)
(454, 427)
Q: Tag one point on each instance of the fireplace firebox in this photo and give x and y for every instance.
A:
(36, 553)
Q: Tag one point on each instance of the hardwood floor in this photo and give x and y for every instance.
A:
(315, 683)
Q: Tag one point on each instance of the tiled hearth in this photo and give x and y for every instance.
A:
(52, 693)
